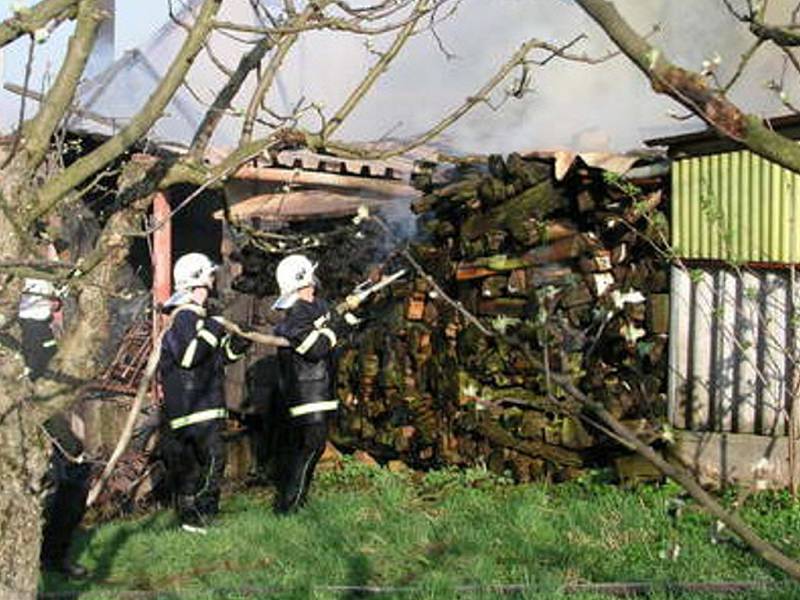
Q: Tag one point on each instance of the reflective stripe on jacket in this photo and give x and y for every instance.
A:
(194, 352)
(198, 417)
(306, 368)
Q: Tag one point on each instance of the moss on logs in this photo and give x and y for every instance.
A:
(536, 202)
(502, 437)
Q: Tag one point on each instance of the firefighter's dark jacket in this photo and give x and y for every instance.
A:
(306, 367)
(194, 352)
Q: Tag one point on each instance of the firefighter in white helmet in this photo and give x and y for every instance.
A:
(306, 377)
(67, 477)
(194, 351)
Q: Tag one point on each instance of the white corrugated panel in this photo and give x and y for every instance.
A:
(733, 349)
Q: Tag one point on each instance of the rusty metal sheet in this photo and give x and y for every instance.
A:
(297, 206)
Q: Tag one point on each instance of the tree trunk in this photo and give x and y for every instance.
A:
(23, 455)
(24, 449)
(23, 460)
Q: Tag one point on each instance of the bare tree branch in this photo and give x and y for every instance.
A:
(330, 23)
(226, 95)
(376, 71)
(517, 59)
(29, 20)
(58, 99)
(691, 89)
(783, 36)
(282, 48)
(23, 101)
(746, 58)
(90, 164)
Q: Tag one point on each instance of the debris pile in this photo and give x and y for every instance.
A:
(572, 269)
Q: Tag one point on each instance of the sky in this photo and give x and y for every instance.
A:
(136, 20)
(575, 106)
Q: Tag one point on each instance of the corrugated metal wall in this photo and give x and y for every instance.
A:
(735, 206)
(733, 350)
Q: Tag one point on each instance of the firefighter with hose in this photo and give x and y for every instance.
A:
(194, 351)
(306, 367)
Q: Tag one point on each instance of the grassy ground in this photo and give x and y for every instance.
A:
(442, 535)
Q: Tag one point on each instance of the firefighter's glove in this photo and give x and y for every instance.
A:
(240, 345)
(351, 319)
(352, 301)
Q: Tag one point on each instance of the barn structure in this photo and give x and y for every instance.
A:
(734, 347)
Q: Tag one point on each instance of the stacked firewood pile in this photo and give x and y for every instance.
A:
(571, 273)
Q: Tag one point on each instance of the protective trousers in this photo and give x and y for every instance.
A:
(65, 503)
(64, 508)
(197, 464)
(38, 345)
(300, 452)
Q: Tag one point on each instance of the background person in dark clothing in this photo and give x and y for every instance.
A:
(306, 378)
(65, 505)
(36, 307)
(194, 351)
(67, 479)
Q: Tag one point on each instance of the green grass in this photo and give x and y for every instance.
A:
(443, 535)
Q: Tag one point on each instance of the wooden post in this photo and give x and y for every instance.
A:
(162, 249)
(162, 267)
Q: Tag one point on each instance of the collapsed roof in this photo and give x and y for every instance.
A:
(109, 100)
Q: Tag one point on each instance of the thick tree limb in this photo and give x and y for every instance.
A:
(90, 164)
(78, 358)
(56, 103)
(226, 95)
(36, 17)
(692, 90)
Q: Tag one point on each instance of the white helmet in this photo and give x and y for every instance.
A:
(193, 270)
(293, 273)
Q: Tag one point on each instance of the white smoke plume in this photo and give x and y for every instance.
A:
(583, 107)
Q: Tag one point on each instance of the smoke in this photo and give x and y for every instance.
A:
(584, 107)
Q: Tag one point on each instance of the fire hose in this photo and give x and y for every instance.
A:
(144, 386)
(352, 301)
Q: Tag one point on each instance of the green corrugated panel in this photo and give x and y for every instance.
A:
(742, 248)
(777, 234)
(724, 237)
(679, 195)
(733, 232)
(718, 176)
(735, 206)
(755, 202)
(793, 210)
(787, 196)
(695, 209)
(706, 184)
